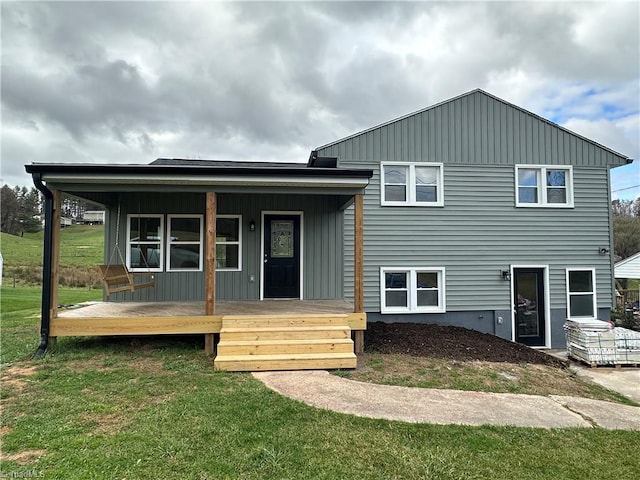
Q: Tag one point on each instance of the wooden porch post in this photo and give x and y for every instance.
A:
(210, 266)
(55, 258)
(358, 267)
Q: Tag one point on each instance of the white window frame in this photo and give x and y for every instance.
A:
(542, 186)
(170, 242)
(412, 290)
(411, 185)
(160, 242)
(238, 242)
(593, 292)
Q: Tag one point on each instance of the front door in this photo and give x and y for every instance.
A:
(529, 308)
(281, 256)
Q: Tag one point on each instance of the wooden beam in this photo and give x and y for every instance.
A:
(210, 256)
(97, 326)
(210, 267)
(55, 251)
(358, 255)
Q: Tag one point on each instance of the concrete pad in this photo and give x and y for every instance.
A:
(625, 381)
(608, 415)
(420, 405)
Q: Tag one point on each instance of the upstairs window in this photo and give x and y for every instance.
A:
(412, 290)
(581, 293)
(184, 242)
(228, 242)
(145, 243)
(419, 184)
(544, 186)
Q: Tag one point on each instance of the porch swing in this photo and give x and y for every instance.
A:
(116, 277)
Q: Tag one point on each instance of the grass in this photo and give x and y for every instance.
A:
(426, 372)
(154, 408)
(20, 310)
(81, 249)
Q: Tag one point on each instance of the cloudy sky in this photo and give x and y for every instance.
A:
(128, 82)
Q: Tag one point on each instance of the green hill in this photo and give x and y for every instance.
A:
(81, 249)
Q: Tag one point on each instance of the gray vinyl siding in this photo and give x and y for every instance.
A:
(322, 244)
(479, 232)
(474, 129)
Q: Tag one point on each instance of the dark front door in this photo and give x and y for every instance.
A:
(529, 297)
(281, 256)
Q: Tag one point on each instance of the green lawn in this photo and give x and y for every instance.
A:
(148, 408)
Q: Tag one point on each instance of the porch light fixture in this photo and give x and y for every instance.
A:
(506, 275)
(252, 226)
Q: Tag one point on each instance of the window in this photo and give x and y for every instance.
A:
(412, 290)
(544, 186)
(228, 242)
(419, 184)
(581, 293)
(144, 243)
(184, 249)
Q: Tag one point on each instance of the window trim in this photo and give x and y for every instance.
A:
(542, 187)
(411, 185)
(160, 242)
(238, 242)
(412, 290)
(170, 242)
(593, 292)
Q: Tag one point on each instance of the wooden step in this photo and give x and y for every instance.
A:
(284, 333)
(284, 320)
(310, 361)
(278, 347)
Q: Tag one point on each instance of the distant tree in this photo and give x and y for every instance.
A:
(10, 211)
(626, 227)
(29, 201)
(623, 208)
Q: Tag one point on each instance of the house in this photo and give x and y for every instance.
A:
(93, 217)
(624, 270)
(472, 212)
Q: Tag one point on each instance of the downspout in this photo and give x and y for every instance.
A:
(45, 318)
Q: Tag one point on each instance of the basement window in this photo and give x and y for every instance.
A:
(581, 293)
(412, 290)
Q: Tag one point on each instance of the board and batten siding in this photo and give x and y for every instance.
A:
(322, 244)
(480, 232)
(475, 128)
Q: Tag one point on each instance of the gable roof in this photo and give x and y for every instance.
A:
(628, 268)
(623, 159)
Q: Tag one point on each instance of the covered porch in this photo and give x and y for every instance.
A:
(243, 326)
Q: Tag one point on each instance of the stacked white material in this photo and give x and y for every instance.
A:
(627, 346)
(597, 343)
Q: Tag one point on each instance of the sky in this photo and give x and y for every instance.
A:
(129, 82)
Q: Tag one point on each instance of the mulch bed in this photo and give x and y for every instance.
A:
(451, 343)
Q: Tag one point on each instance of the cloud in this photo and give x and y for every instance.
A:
(123, 82)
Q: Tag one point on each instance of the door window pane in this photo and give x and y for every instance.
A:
(282, 239)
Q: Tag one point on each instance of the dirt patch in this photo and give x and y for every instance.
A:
(23, 458)
(15, 377)
(450, 343)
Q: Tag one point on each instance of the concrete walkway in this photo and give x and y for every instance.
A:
(422, 405)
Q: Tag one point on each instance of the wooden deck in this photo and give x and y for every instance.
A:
(254, 335)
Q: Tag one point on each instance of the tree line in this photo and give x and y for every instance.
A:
(626, 227)
(21, 209)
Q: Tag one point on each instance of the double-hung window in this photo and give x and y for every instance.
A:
(184, 242)
(145, 242)
(581, 293)
(228, 242)
(419, 184)
(544, 186)
(412, 290)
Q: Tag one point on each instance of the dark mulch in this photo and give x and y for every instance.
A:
(451, 343)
